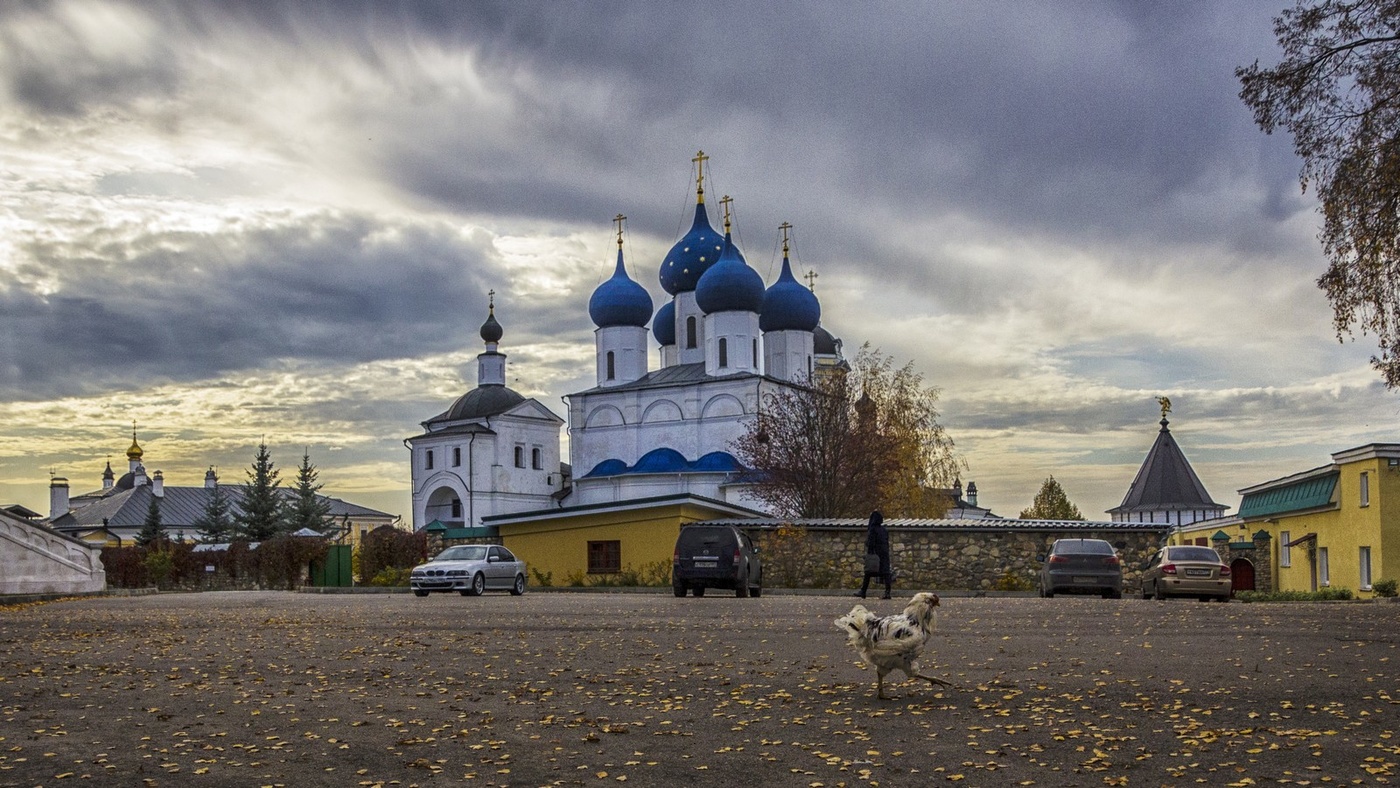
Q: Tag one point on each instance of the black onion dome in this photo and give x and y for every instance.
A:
(491, 331)
(823, 343)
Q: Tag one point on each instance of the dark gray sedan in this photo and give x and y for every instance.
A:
(1082, 566)
(470, 570)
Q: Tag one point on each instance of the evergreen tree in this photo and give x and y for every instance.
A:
(308, 510)
(216, 521)
(262, 515)
(1051, 503)
(150, 532)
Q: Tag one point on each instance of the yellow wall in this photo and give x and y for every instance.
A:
(559, 547)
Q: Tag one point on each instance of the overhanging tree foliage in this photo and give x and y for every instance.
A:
(262, 514)
(1337, 91)
(851, 442)
(1051, 503)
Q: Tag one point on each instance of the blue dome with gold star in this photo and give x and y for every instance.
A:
(692, 255)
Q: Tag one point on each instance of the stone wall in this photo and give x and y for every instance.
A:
(974, 558)
(35, 560)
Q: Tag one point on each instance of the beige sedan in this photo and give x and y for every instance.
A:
(1186, 570)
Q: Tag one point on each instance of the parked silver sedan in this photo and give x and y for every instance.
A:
(470, 570)
(1186, 570)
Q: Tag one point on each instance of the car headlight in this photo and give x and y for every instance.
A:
(457, 573)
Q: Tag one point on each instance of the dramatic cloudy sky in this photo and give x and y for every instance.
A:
(235, 220)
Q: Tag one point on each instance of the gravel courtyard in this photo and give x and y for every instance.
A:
(276, 688)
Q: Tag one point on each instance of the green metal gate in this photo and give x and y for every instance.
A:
(334, 570)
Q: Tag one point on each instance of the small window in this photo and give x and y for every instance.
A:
(755, 354)
(456, 508)
(604, 557)
(723, 353)
(506, 555)
(520, 456)
(456, 456)
(612, 366)
(428, 459)
(690, 332)
(1324, 572)
(1365, 489)
(1365, 568)
(1285, 553)
(536, 459)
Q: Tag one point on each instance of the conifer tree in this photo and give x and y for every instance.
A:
(1051, 503)
(262, 515)
(150, 532)
(216, 521)
(308, 509)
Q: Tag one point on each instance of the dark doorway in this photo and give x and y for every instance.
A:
(1241, 575)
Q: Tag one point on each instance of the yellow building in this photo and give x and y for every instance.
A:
(587, 544)
(1335, 526)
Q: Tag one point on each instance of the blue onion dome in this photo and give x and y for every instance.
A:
(663, 326)
(491, 331)
(730, 285)
(620, 301)
(788, 306)
(692, 255)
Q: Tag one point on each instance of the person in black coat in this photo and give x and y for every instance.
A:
(877, 542)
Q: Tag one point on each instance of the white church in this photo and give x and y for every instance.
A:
(649, 448)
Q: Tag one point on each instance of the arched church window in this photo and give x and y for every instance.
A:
(520, 456)
(428, 460)
(755, 354)
(690, 332)
(456, 456)
(612, 368)
(723, 353)
(536, 460)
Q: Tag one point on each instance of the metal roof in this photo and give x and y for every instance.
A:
(1311, 492)
(949, 524)
(1165, 481)
(181, 507)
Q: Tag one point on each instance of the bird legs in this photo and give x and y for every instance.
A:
(880, 684)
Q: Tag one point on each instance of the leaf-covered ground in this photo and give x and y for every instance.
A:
(596, 689)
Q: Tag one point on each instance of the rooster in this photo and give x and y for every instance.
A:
(893, 642)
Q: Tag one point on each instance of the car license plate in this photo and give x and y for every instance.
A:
(1083, 580)
(706, 561)
(1198, 573)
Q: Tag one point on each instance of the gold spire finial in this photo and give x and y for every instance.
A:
(619, 219)
(699, 161)
(811, 277)
(134, 453)
(725, 202)
(785, 227)
(1166, 405)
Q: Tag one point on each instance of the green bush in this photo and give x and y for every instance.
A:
(1010, 581)
(542, 579)
(1385, 589)
(392, 577)
(1324, 595)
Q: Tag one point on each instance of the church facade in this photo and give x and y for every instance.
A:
(723, 342)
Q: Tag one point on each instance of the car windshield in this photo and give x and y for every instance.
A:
(1084, 546)
(1193, 554)
(462, 553)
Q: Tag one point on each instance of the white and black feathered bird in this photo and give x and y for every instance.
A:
(893, 642)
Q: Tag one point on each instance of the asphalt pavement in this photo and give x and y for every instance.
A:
(276, 688)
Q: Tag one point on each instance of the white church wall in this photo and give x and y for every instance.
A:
(38, 561)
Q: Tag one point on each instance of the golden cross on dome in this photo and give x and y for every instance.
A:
(491, 301)
(699, 162)
(811, 277)
(619, 219)
(785, 227)
(725, 202)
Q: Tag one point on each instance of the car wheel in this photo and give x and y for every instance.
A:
(699, 590)
(1223, 598)
(519, 587)
(757, 590)
(1048, 593)
(478, 585)
(678, 589)
(742, 590)
(1157, 592)
(1145, 593)
(1111, 594)
(419, 592)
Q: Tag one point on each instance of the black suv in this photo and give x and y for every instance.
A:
(716, 556)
